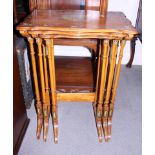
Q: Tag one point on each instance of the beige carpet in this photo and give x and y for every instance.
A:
(77, 131)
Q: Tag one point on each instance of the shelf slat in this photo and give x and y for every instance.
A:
(80, 97)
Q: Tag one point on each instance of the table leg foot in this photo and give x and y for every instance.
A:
(39, 127)
(56, 133)
(109, 129)
(98, 124)
(55, 124)
(99, 130)
(105, 130)
(46, 124)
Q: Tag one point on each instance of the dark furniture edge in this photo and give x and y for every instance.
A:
(21, 137)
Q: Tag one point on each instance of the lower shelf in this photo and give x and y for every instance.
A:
(74, 74)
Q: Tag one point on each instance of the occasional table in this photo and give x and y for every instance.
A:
(78, 79)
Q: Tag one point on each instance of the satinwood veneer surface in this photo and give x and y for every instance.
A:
(73, 20)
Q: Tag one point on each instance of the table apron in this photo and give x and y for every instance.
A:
(78, 35)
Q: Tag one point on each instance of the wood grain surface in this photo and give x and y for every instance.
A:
(73, 20)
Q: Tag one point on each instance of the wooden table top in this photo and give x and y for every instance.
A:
(77, 21)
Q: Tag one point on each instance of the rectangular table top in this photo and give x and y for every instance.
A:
(76, 20)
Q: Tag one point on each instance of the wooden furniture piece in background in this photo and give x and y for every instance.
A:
(101, 5)
(139, 36)
(20, 10)
(20, 119)
(75, 79)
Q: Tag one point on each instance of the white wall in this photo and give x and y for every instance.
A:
(130, 8)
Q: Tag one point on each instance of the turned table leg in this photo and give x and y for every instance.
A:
(108, 90)
(111, 106)
(50, 47)
(38, 100)
(47, 95)
(46, 107)
(98, 124)
(100, 86)
(98, 61)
